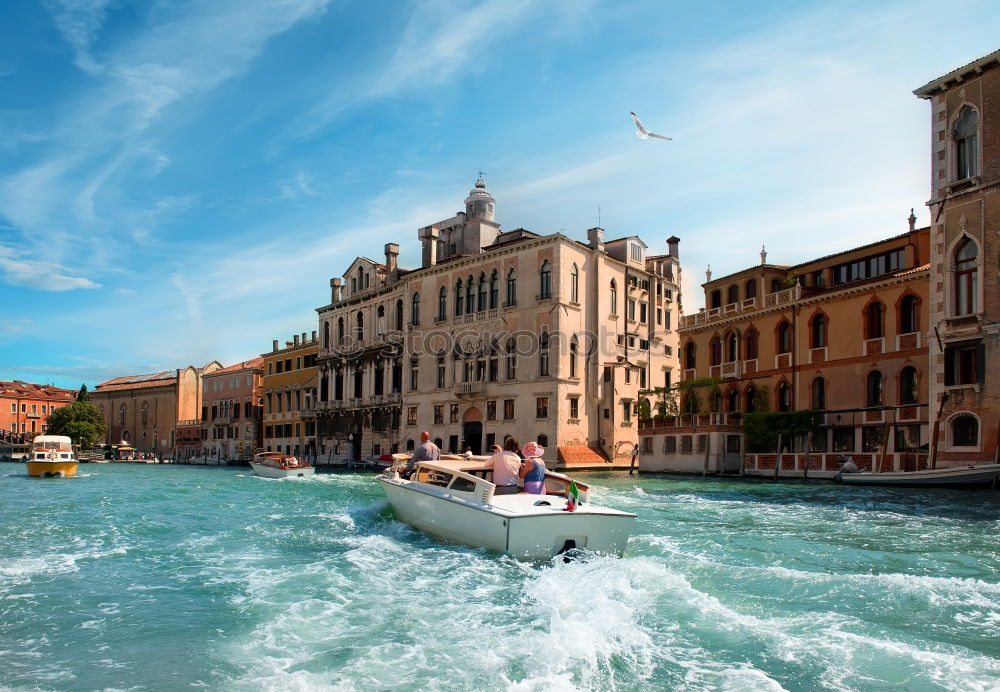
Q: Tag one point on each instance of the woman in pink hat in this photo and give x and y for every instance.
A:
(533, 470)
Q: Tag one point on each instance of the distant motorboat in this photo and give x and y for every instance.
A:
(454, 500)
(278, 465)
(951, 476)
(52, 456)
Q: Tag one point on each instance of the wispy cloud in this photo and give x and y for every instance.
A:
(76, 180)
(440, 41)
(298, 185)
(44, 276)
(80, 21)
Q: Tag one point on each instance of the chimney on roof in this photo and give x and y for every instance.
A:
(391, 262)
(335, 284)
(295, 340)
(303, 338)
(429, 237)
(672, 243)
(596, 238)
(313, 336)
(912, 220)
(288, 344)
(274, 345)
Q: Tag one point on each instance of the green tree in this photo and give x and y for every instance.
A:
(81, 421)
(82, 394)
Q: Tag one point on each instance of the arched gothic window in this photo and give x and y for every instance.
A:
(909, 320)
(399, 315)
(748, 397)
(614, 297)
(574, 352)
(818, 394)
(784, 337)
(442, 304)
(733, 403)
(340, 330)
(574, 284)
(545, 281)
(715, 351)
(966, 147)
(732, 348)
(482, 292)
(750, 341)
(750, 289)
(874, 324)
(690, 356)
(326, 335)
(908, 385)
(380, 320)
(733, 294)
(512, 287)
(716, 298)
(874, 388)
(494, 290)
(966, 277)
(359, 327)
(784, 397)
(470, 296)
(415, 310)
(458, 298)
(819, 331)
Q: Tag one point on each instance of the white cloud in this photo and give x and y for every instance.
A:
(80, 21)
(45, 276)
(298, 185)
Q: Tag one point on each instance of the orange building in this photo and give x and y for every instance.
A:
(231, 411)
(843, 335)
(25, 407)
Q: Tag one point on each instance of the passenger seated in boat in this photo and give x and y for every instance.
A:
(533, 470)
(506, 467)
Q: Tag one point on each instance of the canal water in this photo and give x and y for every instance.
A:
(162, 577)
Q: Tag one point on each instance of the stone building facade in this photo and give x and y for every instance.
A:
(145, 411)
(231, 411)
(25, 407)
(844, 335)
(289, 390)
(965, 254)
(498, 333)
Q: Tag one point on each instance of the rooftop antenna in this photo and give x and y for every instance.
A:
(599, 217)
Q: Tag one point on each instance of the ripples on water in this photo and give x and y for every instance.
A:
(159, 577)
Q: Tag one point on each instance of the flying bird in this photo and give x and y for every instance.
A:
(643, 133)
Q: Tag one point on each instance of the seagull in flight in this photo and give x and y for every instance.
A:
(643, 133)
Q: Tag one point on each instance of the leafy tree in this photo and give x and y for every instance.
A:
(762, 428)
(82, 394)
(81, 421)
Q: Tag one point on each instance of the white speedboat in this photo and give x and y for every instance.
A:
(278, 465)
(950, 476)
(454, 500)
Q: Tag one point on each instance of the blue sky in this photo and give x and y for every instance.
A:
(180, 180)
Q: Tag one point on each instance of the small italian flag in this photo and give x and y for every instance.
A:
(572, 497)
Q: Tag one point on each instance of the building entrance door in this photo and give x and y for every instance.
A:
(472, 431)
(356, 447)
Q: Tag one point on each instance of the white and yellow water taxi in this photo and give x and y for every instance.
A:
(52, 456)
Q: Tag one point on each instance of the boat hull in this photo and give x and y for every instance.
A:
(52, 469)
(266, 471)
(532, 537)
(955, 476)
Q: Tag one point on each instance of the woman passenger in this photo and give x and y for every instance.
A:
(506, 467)
(533, 470)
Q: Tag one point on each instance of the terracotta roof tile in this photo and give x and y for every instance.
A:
(257, 362)
(28, 390)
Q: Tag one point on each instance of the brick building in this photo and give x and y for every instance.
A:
(497, 333)
(231, 405)
(289, 387)
(844, 335)
(965, 253)
(25, 407)
(145, 411)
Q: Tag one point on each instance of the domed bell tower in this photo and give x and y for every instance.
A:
(479, 204)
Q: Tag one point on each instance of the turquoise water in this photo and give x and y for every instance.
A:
(160, 577)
